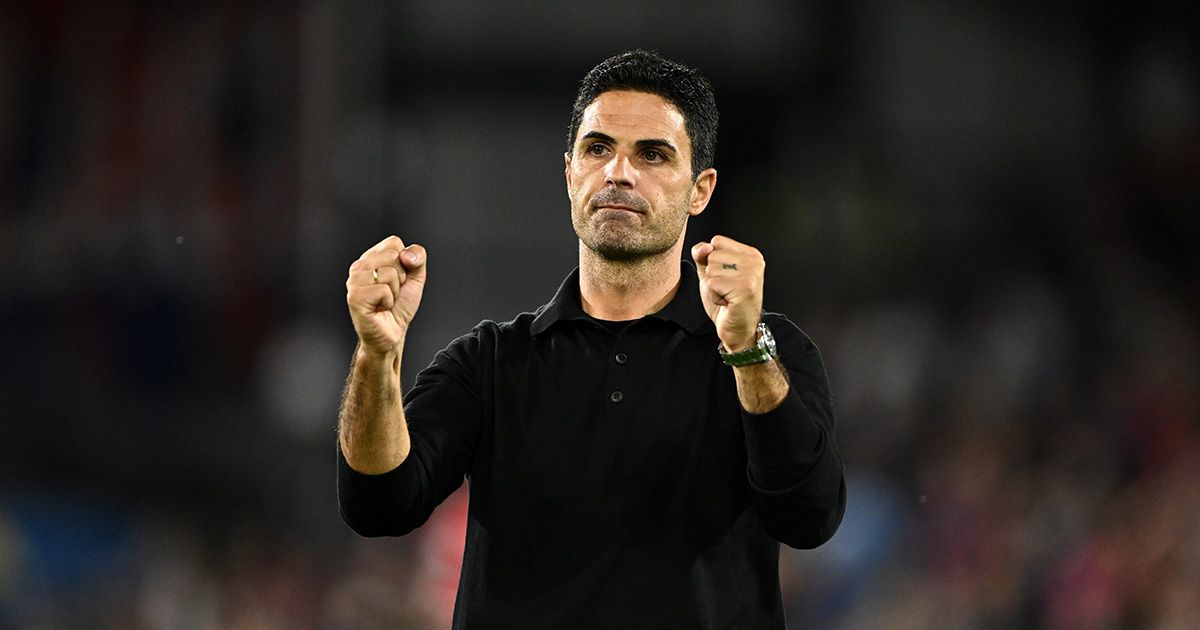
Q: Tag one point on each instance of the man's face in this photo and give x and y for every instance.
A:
(629, 176)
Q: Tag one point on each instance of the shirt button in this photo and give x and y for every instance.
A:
(616, 396)
(621, 358)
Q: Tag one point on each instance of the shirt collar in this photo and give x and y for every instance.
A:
(685, 309)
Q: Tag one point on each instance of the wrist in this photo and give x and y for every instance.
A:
(759, 350)
(366, 355)
(742, 343)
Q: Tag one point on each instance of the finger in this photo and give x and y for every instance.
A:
(728, 290)
(414, 258)
(371, 298)
(700, 254)
(383, 258)
(724, 264)
(364, 275)
(391, 242)
(725, 243)
(388, 276)
(732, 289)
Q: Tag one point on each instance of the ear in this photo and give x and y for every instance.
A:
(567, 170)
(702, 190)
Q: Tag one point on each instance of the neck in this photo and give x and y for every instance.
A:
(627, 290)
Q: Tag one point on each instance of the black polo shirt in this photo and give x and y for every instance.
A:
(615, 481)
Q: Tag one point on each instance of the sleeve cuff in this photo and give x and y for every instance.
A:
(781, 441)
(374, 505)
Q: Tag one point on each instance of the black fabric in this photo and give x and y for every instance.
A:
(607, 492)
(614, 328)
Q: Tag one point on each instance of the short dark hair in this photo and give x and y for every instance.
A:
(647, 71)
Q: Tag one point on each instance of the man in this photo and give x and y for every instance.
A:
(636, 448)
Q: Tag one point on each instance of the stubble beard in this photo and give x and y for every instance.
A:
(631, 239)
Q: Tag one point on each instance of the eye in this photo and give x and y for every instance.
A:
(653, 155)
(597, 149)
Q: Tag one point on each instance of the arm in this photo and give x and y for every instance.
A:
(731, 281)
(794, 467)
(761, 387)
(442, 413)
(372, 431)
(793, 464)
(383, 292)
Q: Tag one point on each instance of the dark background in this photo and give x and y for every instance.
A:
(985, 215)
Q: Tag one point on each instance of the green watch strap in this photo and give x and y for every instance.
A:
(762, 351)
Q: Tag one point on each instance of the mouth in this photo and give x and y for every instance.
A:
(617, 206)
(615, 203)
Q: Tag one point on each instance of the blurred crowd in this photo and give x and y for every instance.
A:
(1008, 309)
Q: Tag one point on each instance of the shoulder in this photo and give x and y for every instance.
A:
(490, 333)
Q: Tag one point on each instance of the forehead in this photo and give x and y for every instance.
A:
(633, 116)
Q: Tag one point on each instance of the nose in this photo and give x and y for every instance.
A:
(619, 172)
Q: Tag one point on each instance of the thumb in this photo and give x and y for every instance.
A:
(413, 258)
(700, 252)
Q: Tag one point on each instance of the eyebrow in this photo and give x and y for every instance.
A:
(657, 143)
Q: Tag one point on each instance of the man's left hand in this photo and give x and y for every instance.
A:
(731, 287)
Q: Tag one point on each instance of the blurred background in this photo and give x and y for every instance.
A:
(986, 214)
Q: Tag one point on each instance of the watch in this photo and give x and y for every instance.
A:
(763, 349)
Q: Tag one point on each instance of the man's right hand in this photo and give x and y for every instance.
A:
(383, 292)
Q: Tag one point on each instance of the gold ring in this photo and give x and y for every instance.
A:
(375, 275)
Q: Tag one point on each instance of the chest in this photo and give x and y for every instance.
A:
(646, 415)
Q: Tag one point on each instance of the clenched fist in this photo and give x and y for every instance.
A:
(383, 292)
(731, 287)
